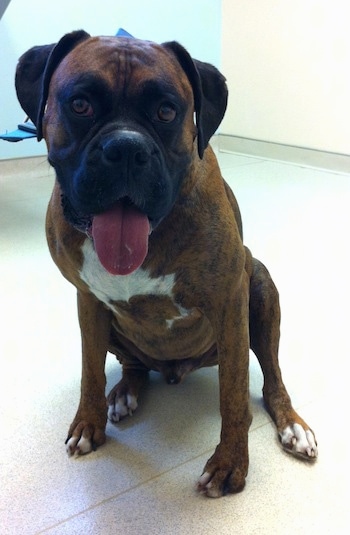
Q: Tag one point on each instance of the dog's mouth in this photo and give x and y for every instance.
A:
(120, 236)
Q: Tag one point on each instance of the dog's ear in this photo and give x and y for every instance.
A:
(34, 71)
(214, 101)
(29, 76)
(209, 90)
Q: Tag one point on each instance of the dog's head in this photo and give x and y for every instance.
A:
(121, 118)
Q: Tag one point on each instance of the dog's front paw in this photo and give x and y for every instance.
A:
(223, 475)
(299, 441)
(84, 438)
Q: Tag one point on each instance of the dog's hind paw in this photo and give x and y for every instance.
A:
(123, 406)
(299, 441)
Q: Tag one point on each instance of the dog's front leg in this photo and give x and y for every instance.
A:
(87, 430)
(226, 470)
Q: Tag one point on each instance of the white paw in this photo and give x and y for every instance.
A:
(78, 446)
(123, 406)
(301, 443)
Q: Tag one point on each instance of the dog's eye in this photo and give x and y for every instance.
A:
(166, 113)
(82, 107)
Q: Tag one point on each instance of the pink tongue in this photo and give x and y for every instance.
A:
(121, 238)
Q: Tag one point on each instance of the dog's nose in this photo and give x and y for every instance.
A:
(126, 148)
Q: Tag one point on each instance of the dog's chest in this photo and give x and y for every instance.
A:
(110, 288)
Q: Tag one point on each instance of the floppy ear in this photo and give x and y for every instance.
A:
(28, 80)
(209, 90)
(34, 71)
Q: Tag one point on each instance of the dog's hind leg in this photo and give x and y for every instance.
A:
(264, 323)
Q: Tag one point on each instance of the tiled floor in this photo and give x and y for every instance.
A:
(297, 220)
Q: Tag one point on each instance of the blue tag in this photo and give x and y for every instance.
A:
(123, 33)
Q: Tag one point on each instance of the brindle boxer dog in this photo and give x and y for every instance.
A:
(143, 224)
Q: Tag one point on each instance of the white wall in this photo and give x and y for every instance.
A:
(196, 24)
(288, 68)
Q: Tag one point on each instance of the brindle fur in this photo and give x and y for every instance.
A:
(231, 302)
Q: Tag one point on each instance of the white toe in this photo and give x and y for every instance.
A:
(204, 479)
(132, 403)
(84, 446)
(70, 445)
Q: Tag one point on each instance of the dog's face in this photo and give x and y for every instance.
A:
(118, 117)
(125, 129)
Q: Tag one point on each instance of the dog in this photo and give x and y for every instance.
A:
(143, 224)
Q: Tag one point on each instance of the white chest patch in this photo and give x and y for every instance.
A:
(107, 287)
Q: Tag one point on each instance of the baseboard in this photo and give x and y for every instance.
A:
(34, 165)
(274, 151)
